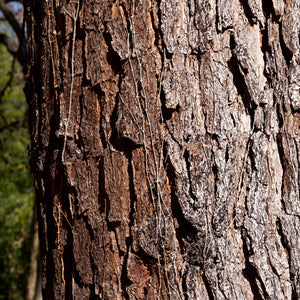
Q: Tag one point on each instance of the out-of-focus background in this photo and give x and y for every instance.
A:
(16, 184)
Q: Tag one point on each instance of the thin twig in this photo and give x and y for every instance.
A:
(74, 18)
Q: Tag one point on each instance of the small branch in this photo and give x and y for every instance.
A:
(20, 1)
(11, 76)
(10, 17)
(11, 44)
(17, 46)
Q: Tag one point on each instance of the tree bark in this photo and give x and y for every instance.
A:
(165, 148)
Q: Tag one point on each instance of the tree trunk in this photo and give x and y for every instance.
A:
(34, 273)
(165, 148)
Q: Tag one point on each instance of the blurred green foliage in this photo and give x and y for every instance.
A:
(16, 192)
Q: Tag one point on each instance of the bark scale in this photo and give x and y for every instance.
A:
(165, 148)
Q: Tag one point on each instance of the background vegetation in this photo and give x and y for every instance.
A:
(16, 193)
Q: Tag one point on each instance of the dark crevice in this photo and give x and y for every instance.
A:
(147, 259)
(93, 295)
(68, 263)
(239, 82)
(93, 287)
(67, 223)
(120, 250)
(199, 250)
(248, 12)
(214, 137)
(275, 272)
(125, 281)
(116, 64)
(185, 230)
(285, 244)
(208, 288)
(44, 213)
(60, 26)
(40, 120)
(173, 137)
(79, 137)
(106, 210)
(164, 47)
(217, 20)
(102, 195)
(114, 140)
(122, 144)
(169, 55)
(112, 56)
(85, 218)
(167, 112)
(215, 174)
(46, 203)
(250, 273)
(161, 93)
(101, 131)
(157, 32)
(294, 294)
(218, 23)
(184, 287)
(266, 48)
(188, 137)
(85, 81)
(282, 156)
(113, 225)
(80, 35)
(251, 156)
(115, 110)
(227, 153)
(77, 278)
(280, 115)
(177, 141)
(186, 156)
(286, 52)
(285, 166)
(269, 11)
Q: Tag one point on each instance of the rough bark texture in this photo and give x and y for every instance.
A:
(165, 147)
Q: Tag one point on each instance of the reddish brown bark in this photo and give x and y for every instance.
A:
(165, 148)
